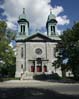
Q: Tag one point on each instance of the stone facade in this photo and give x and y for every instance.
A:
(35, 53)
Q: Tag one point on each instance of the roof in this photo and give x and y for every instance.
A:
(38, 37)
(51, 19)
(23, 17)
(51, 16)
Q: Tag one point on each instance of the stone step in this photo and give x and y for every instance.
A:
(27, 75)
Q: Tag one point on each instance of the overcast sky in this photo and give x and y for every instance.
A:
(37, 11)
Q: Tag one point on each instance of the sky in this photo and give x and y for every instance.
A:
(37, 11)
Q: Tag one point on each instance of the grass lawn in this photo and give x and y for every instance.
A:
(5, 79)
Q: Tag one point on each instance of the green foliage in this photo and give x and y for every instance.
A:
(40, 77)
(3, 26)
(7, 57)
(10, 34)
(8, 78)
(6, 52)
(53, 76)
(69, 48)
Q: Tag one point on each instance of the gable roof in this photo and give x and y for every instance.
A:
(42, 38)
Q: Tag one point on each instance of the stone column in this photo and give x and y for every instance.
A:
(42, 67)
(35, 66)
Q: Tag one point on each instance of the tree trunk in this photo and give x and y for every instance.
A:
(63, 73)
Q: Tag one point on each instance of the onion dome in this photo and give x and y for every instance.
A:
(22, 17)
(51, 17)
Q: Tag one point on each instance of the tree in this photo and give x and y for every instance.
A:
(7, 57)
(3, 26)
(60, 57)
(10, 34)
(69, 49)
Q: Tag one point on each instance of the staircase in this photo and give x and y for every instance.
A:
(27, 75)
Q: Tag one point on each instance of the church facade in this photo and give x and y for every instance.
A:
(35, 53)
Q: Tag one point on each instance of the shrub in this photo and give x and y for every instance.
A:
(53, 76)
(40, 77)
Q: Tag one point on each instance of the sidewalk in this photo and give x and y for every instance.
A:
(62, 88)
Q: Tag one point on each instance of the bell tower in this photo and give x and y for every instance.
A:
(22, 34)
(23, 26)
(51, 24)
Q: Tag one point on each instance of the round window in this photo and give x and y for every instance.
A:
(38, 51)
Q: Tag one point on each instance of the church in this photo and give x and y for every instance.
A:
(35, 53)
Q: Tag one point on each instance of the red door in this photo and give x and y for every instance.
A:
(32, 68)
(45, 68)
(38, 68)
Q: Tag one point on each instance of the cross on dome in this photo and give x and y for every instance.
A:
(23, 10)
(50, 11)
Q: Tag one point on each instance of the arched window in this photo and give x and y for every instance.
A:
(21, 52)
(54, 52)
(23, 29)
(53, 30)
(21, 66)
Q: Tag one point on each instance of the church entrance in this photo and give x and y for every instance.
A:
(38, 66)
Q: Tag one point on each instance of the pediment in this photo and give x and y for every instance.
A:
(38, 37)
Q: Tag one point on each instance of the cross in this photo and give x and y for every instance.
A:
(51, 11)
(23, 10)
